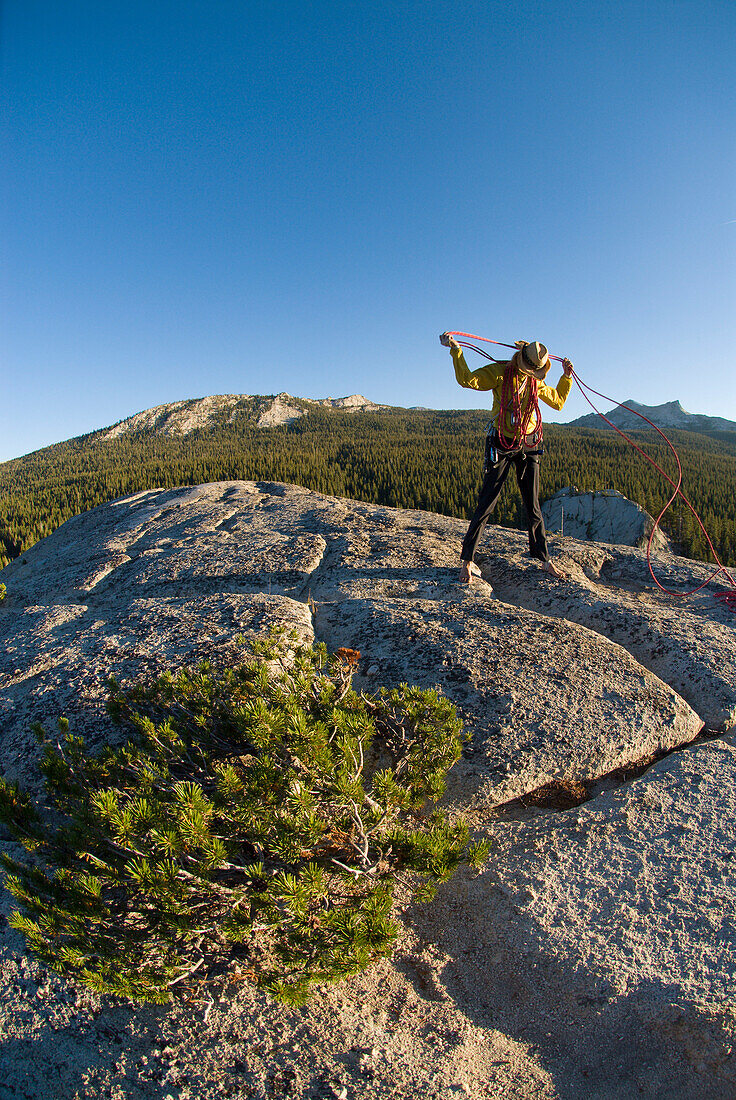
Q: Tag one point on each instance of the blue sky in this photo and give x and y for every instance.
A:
(250, 197)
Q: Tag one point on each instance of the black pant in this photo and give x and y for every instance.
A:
(495, 474)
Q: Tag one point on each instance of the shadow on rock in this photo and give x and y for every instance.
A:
(595, 1039)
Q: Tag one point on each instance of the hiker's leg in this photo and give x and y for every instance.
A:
(493, 480)
(527, 475)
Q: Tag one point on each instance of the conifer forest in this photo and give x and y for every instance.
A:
(404, 458)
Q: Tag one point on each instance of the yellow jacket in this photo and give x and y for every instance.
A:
(490, 377)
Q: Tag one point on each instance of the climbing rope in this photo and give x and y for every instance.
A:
(511, 394)
(510, 411)
(469, 336)
(729, 595)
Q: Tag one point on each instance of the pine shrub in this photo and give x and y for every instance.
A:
(254, 825)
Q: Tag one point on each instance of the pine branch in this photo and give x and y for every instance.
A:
(188, 973)
(239, 810)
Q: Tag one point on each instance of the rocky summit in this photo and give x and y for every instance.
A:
(180, 418)
(671, 414)
(594, 954)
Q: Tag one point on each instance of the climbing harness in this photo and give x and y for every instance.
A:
(729, 595)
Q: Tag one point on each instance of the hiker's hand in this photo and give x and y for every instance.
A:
(567, 367)
(448, 341)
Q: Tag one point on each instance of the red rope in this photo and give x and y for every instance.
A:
(728, 596)
(465, 344)
(469, 336)
(511, 399)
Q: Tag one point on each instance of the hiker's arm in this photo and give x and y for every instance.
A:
(485, 378)
(556, 397)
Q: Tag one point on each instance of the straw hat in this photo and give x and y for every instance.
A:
(531, 359)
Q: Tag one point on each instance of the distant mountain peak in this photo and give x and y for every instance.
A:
(670, 414)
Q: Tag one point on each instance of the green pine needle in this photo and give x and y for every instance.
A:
(268, 806)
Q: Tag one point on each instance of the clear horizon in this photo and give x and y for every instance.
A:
(205, 199)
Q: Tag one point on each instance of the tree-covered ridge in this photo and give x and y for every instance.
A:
(403, 458)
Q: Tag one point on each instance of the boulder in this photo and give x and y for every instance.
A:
(603, 515)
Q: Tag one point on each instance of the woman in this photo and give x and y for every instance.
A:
(514, 438)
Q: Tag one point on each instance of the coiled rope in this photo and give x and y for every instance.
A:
(510, 411)
(729, 595)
